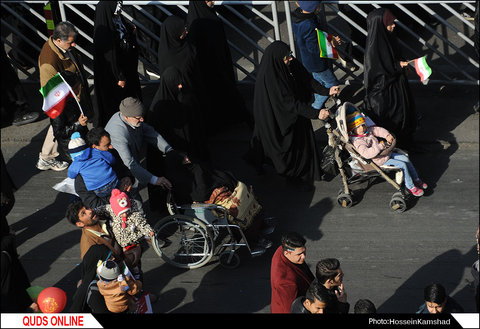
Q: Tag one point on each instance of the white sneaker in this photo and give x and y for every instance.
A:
(52, 164)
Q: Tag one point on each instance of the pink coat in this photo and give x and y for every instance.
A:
(369, 147)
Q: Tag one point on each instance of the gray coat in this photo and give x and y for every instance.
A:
(130, 144)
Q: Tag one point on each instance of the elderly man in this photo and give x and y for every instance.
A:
(59, 55)
(290, 276)
(129, 134)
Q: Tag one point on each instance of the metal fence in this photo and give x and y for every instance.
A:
(441, 30)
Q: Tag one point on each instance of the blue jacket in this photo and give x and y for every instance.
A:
(95, 166)
(303, 26)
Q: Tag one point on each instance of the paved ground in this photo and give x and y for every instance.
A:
(387, 257)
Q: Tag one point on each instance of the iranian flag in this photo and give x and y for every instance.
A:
(56, 93)
(325, 43)
(422, 68)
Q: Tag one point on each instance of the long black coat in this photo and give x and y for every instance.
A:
(207, 34)
(388, 100)
(282, 110)
(113, 62)
(175, 114)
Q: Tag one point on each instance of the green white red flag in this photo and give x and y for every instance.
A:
(422, 68)
(56, 93)
(325, 43)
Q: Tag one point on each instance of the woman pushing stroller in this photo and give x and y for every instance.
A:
(376, 143)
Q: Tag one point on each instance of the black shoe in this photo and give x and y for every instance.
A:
(25, 118)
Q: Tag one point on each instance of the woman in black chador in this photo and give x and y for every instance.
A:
(207, 34)
(175, 50)
(174, 113)
(115, 60)
(282, 111)
(388, 100)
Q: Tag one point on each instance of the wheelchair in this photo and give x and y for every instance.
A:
(192, 234)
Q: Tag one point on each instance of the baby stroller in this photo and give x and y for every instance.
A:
(193, 233)
(354, 169)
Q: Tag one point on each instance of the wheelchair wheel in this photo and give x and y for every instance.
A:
(183, 241)
(229, 259)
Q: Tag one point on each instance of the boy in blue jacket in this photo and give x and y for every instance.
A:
(95, 165)
(304, 22)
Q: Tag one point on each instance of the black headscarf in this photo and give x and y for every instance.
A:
(282, 110)
(113, 62)
(388, 99)
(173, 51)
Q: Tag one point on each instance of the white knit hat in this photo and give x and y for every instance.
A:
(108, 270)
(76, 145)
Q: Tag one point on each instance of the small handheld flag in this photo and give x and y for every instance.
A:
(422, 68)
(325, 43)
(56, 93)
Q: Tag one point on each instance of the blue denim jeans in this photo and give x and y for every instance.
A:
(327, 79)
(106, 189)
(402, 161)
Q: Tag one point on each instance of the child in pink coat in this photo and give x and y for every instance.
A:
(371, 142)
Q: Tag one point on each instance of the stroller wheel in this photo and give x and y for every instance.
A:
(229, 259)
(345, 200)
(398, 203)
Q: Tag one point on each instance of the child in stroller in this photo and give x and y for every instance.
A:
(376, 143)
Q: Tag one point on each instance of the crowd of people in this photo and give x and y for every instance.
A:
(106, 162)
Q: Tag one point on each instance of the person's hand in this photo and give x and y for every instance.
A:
(323, 114)
(164, 183)
(34, 307)
(341, 294)
(403, 64)
(121, 84)
(390, 139)
(125, 184)
(337, 40)
(334, 90)
(82, 120)
(152, 233)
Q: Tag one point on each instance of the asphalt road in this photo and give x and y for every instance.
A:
(387, 257)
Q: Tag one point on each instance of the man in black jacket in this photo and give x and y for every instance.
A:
(314, 302)
(330, 277)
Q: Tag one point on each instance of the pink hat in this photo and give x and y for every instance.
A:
(120, 202)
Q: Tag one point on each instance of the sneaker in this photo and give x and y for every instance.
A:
(420, 184)
(25, 118)
(416, 191)
(52, 164)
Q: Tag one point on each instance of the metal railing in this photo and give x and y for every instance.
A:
(441, 30)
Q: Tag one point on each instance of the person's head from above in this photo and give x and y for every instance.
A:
(389, 20)
(293, 245)
(120, 203)
(64, 35)
(210, 4)
(356, 123)
(364, 306)
(435, 298)
(309, 6)
(316, 299)
(329, 273)
(108, 270)
(132, 110)
(99, 139)
(80, 216)
(77, 145)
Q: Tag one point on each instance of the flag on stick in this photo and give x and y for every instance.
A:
(422, 68)
(325, 43)
(56, 93)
